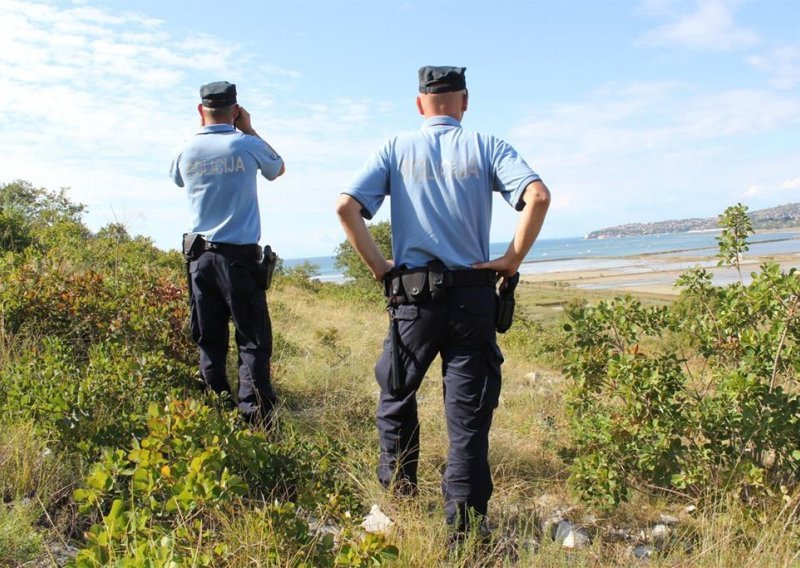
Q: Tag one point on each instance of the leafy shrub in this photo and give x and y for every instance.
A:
(97, 360)
(26, 210)
(162, 492)
(18, 543)
(350, 263)
(84, 307)
(88, 405)
(534, 340)
(300, 276)
(717, 406)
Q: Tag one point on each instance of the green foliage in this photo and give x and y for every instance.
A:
(92, 404)
(736, 228)
(371, 550)
(300, 276)
(96, 359)
(534, 340)
(47, 296)
(699, 397)
(28, 215)
(39, 205)
(19, 543)
(350, 263)
(14, 231)
(193, 461)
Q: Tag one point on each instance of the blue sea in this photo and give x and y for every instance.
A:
(557, 255)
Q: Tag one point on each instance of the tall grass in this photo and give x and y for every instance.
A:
(325, 351)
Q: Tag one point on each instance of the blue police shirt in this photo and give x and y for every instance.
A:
(218, 167)
(441, 180)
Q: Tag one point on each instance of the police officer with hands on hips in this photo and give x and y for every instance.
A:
(441, 283)
(218, 166)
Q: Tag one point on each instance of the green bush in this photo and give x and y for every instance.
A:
(534, 341)
(701, 397)
(97, 361)
(157, 499)
(350, 263)
(19, 543)
(92, 404)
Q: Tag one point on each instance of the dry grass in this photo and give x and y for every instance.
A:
(330, 386)
(323, 373)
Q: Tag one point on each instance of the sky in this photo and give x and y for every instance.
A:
(630, 110)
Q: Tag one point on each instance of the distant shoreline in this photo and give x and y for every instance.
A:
(586, 263)
(656, 273)
(782, 217)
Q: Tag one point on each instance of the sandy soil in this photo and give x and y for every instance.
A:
(657, 273)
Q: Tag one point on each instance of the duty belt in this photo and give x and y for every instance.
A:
(236, 249)
(416, 285)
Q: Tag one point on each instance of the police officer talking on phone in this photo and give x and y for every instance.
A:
(218, 166)
(441, 283)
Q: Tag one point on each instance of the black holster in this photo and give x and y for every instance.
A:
(193, 246)
(266, 267)
(505, 305)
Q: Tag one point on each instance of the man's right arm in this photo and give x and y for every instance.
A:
(349, 211)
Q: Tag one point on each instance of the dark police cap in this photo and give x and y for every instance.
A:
(433, 79)
(218, 94)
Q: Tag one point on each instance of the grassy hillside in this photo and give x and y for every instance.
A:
(110, 455)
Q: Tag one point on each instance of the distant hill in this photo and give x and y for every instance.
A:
(780, 217)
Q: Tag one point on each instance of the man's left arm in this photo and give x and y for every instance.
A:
(537, 200)
(244, 123)
(175, 171)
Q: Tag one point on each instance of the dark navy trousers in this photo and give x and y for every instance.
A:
(460, 327)
(224, 288)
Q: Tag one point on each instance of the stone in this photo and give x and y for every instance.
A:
(571, 536)
(642, 551)
(320, 529)
(668, 519)
(619, 535)
(377, 522)
(660, 533)
(61, 554)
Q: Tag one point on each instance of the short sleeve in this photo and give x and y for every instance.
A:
(511, 174)
(269, 162)
(371, 184)
(175, 171)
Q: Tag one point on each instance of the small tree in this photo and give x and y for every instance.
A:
(350, 263)
(736, 227)
(39, 204)
(28, 214)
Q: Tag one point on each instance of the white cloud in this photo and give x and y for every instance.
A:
(754, 191)
(628, 153)
(98, 102)
(782, 64)
(791, 184)
(783, 192)
(709, 25)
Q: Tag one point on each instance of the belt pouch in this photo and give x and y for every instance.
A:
(415, 286)
(436, 283)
